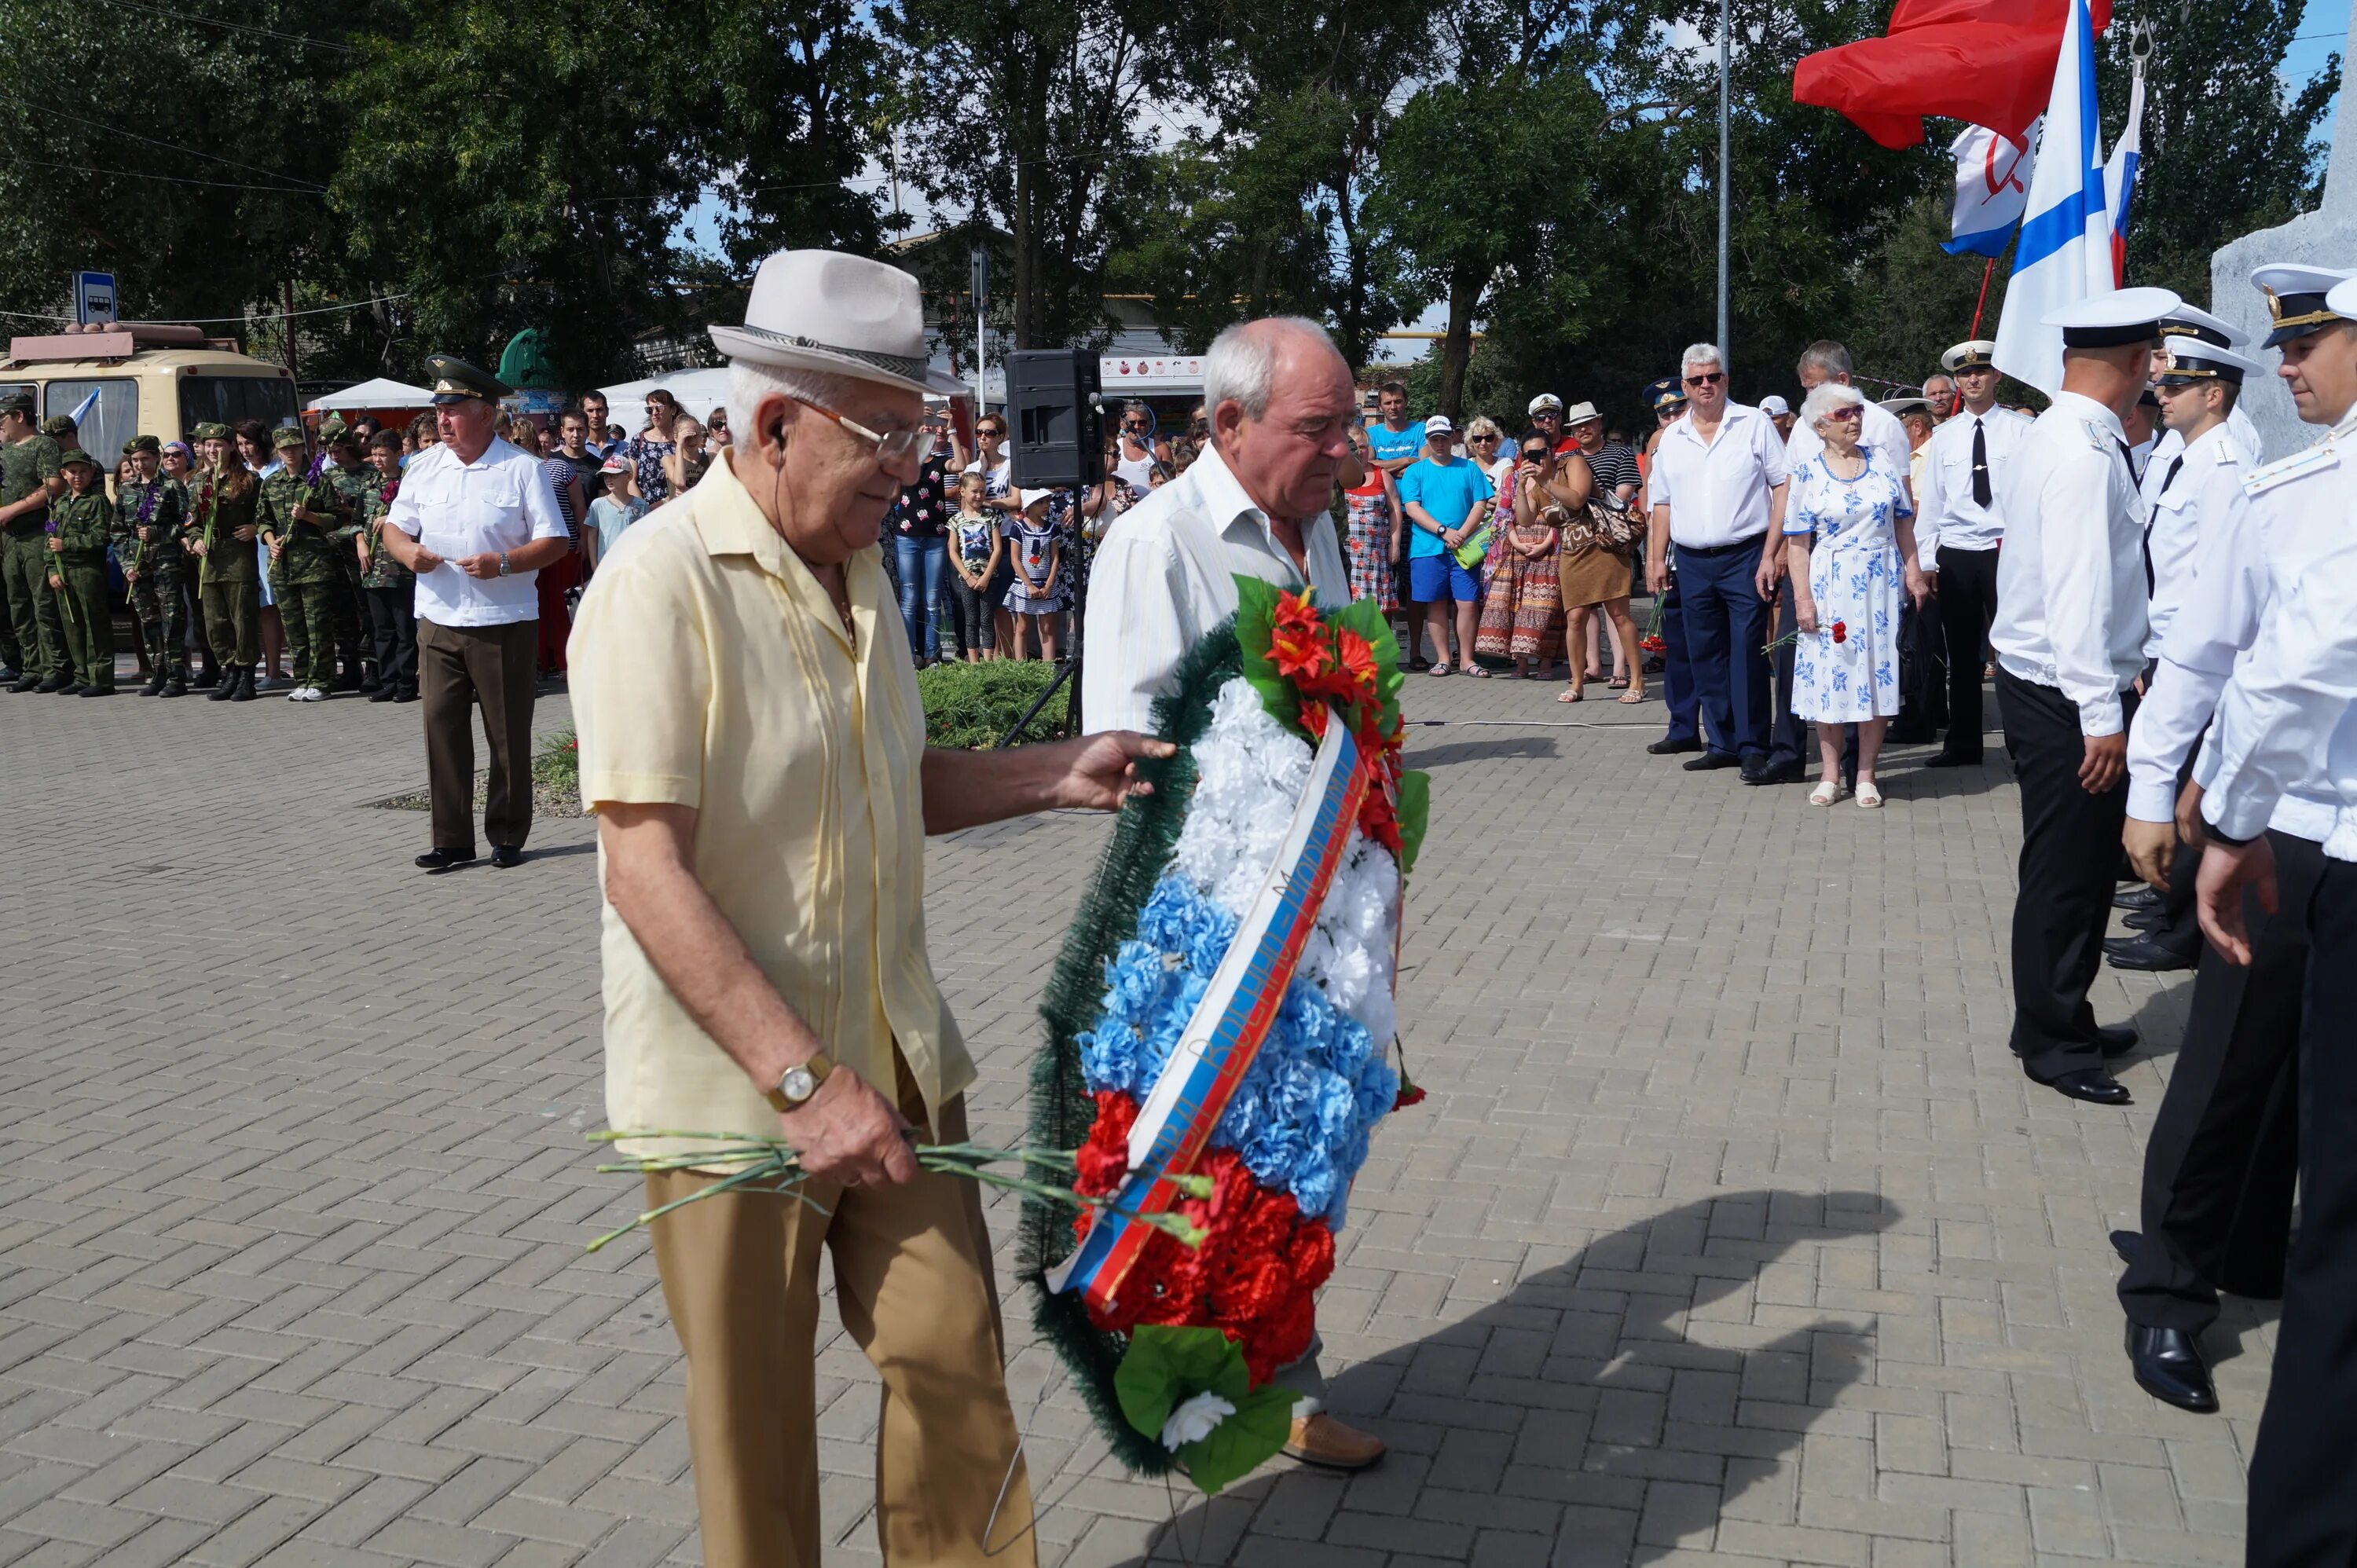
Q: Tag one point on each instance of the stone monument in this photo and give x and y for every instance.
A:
(2324, 238)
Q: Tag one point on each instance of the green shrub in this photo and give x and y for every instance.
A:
(557, 763)
(968, 706)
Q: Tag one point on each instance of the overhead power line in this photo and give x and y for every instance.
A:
(233, 26)
(169, 146)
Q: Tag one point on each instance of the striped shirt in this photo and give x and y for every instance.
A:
(1166, 575)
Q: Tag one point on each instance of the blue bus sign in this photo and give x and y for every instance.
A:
(94, 296)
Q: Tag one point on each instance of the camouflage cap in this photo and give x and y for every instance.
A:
(288, 435)
(212, 431)
(57, 425)
(141, 443)
(17, 403)
(331, 426)
(130, 446)
(74, 455)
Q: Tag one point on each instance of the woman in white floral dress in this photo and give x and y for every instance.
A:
(1849, 539)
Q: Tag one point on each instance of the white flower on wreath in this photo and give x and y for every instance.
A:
(1193, 1420)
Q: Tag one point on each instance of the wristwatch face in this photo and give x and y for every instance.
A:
(797, 1085)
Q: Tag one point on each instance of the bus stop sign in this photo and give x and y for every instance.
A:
(94, 296)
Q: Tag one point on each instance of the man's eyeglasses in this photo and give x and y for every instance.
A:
(1708, 378)
(893, 449)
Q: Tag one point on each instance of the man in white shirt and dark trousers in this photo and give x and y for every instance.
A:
(2068, 637)
(2195, 483)
(1717, 489)
(2220, 1165)
(475, 519)
(2284, 717)
(1958, 527)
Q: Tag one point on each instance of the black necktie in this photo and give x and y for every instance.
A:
(2151, 580)
(1981, 492)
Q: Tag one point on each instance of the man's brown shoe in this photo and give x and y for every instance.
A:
(1322, 1440)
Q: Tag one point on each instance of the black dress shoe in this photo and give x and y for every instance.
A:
(244, 683)
(2091, 1084)
(174, 687)
(384, 695)
(2143, 952)
(54, 684)
(2170, 1368)
(2145, 921)
(2115, 1039)
(71, 689)
(1949, 759)
(2123, 1242)
(506, 854)
(2139, 896)
(10, 675)
(407, 697)
(1711, 760)
(155, 686)
(435, 861)
(223, 688)
(98, 690)
(1666, 747)
(27, 684)
(1788, 773)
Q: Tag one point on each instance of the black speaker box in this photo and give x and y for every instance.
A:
(1052, 417)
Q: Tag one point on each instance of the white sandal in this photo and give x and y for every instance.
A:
(1826, 793)
(1870, 795)
(1440, 668)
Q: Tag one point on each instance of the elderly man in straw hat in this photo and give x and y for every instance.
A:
(753, 742)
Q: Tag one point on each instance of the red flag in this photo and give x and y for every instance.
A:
(1988, 62)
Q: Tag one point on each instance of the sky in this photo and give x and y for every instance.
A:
(2323, 29)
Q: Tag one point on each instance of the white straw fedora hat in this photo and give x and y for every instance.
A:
(824, 310)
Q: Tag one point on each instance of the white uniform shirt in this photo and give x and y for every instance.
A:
(1166, 575)
(2286, 715)
(2069, 581)
(503, 500)
(2209, 480)
(1877, 431)
(2244, 552)
(1718, 493)
(1945, 512)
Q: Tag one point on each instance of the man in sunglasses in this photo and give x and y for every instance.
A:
(754, 743)
(1717, 489)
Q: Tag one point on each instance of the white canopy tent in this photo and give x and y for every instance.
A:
(381, 392)
(698, 392)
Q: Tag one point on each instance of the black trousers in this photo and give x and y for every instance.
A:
(2218, 1168)
(2303, 1503)
(2070, 848)
(1967, 606)
(392, 634)
(1922, 674)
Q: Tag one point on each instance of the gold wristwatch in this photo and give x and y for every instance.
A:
(799, 1082)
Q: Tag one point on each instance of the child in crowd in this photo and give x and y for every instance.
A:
(614, 510)
(685, 464)
(1038, 598)
(977, 546)
(389, 588)
(79, 528)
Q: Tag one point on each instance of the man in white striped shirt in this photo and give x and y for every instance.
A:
(1254, 504)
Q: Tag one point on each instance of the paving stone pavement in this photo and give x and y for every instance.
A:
(1729, 1231)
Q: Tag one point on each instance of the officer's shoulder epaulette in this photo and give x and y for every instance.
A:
(2316, 460)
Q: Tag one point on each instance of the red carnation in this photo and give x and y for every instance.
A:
(1841, 631)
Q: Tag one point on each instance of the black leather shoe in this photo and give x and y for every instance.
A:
(2143, 952)
(407, 697)
(10, 675)
(1710, 761)
(223, 688)
(155, 686)
(384, 695)
(245, 692)
(2170, 1368)
(98, 690)
(54, 684)
(27, 684)
(2138, 898)
(506, 854)
(2115, 1039)
(2123, 1242)
(2145, 921)
(2091, 1084)
(72, 689)
(1949, 759)
(435, 861)
(173, 689)
(1666, 747)
(1790, 773)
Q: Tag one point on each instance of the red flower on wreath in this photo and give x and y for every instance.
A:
(1297, 643)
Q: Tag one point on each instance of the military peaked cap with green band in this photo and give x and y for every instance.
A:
(455, 380)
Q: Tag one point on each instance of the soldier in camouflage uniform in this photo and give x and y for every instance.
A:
(150, 513)
(30, 481)
(61, 430)
(392, 587)
(222, 531)
(353, 480)
(298, 519)
(80, 526)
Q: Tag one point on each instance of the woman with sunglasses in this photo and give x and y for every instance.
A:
(645, 451)
(998, 498)
(1522, 613)
(1139, 449)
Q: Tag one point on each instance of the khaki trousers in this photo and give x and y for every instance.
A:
(458, 667)
(913, 1280)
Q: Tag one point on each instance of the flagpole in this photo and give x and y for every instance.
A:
(1724, 348)
(1989, 267)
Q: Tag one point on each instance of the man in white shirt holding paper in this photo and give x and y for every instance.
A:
(2068, 637)
(2286, 716)
(1958, 528)
(2220, 1160)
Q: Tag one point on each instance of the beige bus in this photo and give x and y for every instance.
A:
(149, 380)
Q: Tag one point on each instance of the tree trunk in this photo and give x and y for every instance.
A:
(1031, 151)
(1465, 285)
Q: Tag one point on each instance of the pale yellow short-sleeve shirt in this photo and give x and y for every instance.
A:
(709, 668)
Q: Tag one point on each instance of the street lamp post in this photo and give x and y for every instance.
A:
(1724, 30)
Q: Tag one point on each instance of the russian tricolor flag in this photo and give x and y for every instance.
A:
(2064, 253)
(2120, 177)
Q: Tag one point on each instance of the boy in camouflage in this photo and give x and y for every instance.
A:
(29, 486)
(349, 474)
(297, 515)
(392, 587)
(79, 528)
(151, 512)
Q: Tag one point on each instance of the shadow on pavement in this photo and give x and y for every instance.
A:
(1454, 751)
(1584, 1408)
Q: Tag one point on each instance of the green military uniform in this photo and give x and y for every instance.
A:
(303, 575)
(228, 582)
(156, 567)
(84, 524)
(353, 488)
(62, 431)
(391, 590)
(25, 467)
